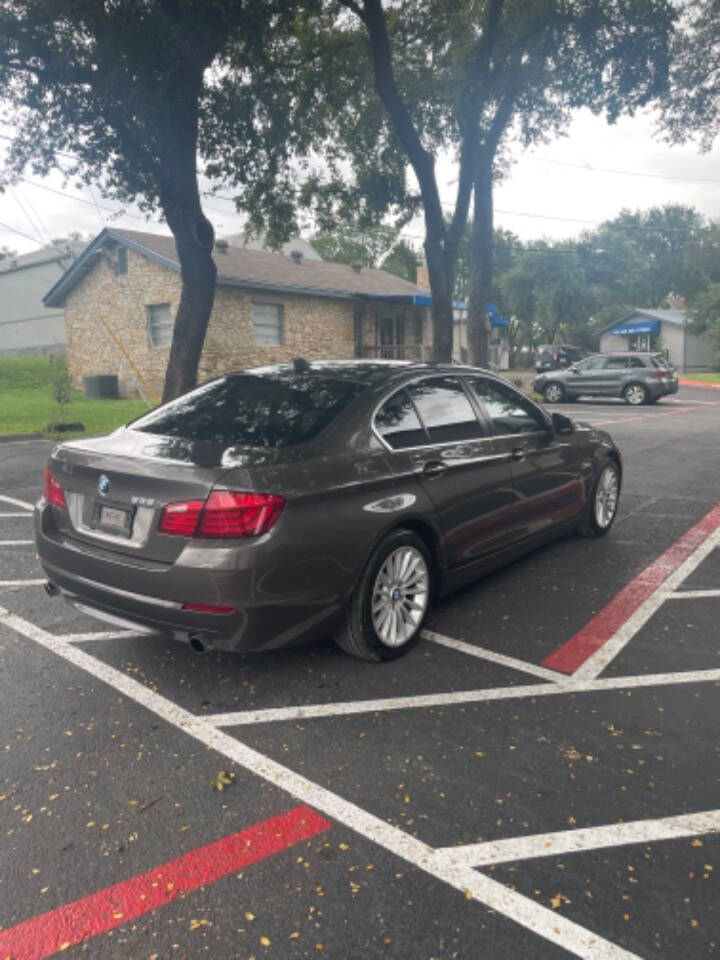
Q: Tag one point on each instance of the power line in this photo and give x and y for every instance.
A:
(36, 215)
(588, 168)
(27, 216)
(5, 226)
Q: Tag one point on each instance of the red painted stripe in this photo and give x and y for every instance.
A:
(608, 621)
(49, 933)
(690, 382)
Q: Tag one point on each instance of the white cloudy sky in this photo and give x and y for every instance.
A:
(555, 190)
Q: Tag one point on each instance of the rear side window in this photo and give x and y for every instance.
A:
(270, 410)
(397, 423)
(616, 363)
(445, 410)
(508, 411)
(637, 362)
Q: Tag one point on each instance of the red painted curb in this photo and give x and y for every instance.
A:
(689, 382)
(51, 932)
(608, 621)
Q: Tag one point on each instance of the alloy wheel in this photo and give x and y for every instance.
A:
(400, 596)
(553, 393)
(606, 497)
(635, 394)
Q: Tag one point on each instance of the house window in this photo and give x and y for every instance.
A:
(121, 260)
(160, 324)
(267, 324)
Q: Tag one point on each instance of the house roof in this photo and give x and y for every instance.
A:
(55, 254)
(251, 269)
(674, 317)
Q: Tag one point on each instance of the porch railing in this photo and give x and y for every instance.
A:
(396, 351)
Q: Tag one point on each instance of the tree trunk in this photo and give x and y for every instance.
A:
(481, 264)
(194, 239)
(441, 284)
(198, 272)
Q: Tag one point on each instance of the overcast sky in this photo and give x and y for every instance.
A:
(555, 191)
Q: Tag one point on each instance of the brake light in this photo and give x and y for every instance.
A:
(225, 515)
(52, 490)
(181, 519)
(661, 374)
(229, 514)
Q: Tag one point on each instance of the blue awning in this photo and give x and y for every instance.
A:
(635, 326)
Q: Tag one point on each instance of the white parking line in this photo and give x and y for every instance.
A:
(511, 904)
(17, 503)
(692, 594)
(596, 663)
(493, 657)
(21, 583)
(107, 635)
(423, 701)
(16, 516)
(587, 838)
(16, 543)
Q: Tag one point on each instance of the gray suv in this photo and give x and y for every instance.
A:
(636, 377)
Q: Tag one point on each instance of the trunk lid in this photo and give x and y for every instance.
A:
(116, 487)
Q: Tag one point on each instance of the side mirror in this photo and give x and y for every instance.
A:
(562, 424)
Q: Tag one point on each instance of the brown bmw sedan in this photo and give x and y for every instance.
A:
(312, 499)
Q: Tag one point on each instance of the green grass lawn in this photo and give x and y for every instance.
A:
(27, 405)
(709, 377)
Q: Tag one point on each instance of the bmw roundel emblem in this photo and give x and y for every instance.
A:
(103, 484)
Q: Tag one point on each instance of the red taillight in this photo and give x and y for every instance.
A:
(224, 515)
(208, 608)
(227, 514)
(52, 491)
(181, 519)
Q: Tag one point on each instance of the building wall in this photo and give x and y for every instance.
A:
(26, 325)
(671, 338)
(314, 327)
(699, 353)
(609, 343)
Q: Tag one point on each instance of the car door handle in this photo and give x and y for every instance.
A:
(434, 468)
(518, 453)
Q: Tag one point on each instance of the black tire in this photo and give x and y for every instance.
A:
(358, 635)
(554, 392)
(633, 390)
(590, 526)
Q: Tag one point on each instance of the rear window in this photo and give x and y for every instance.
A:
(279, 410)
(661, 363)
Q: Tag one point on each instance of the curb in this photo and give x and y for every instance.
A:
(15, 437)
(689, 382)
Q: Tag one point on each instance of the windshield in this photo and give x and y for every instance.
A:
(278, 410)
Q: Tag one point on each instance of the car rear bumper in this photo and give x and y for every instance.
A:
(662, 388)
(130, 593)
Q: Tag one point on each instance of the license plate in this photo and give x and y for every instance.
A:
(114, 519)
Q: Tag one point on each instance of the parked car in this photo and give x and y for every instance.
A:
(315, 499)
(557, 356)
(636, 377)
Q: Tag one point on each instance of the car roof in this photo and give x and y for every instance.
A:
(372, 371)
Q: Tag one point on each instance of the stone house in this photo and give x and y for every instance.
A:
(120, 297)
(648, 329)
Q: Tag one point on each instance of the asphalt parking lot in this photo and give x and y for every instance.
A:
(539, 777)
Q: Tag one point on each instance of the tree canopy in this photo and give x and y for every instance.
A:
(381, 90)
(691, 107)
(114, 94)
